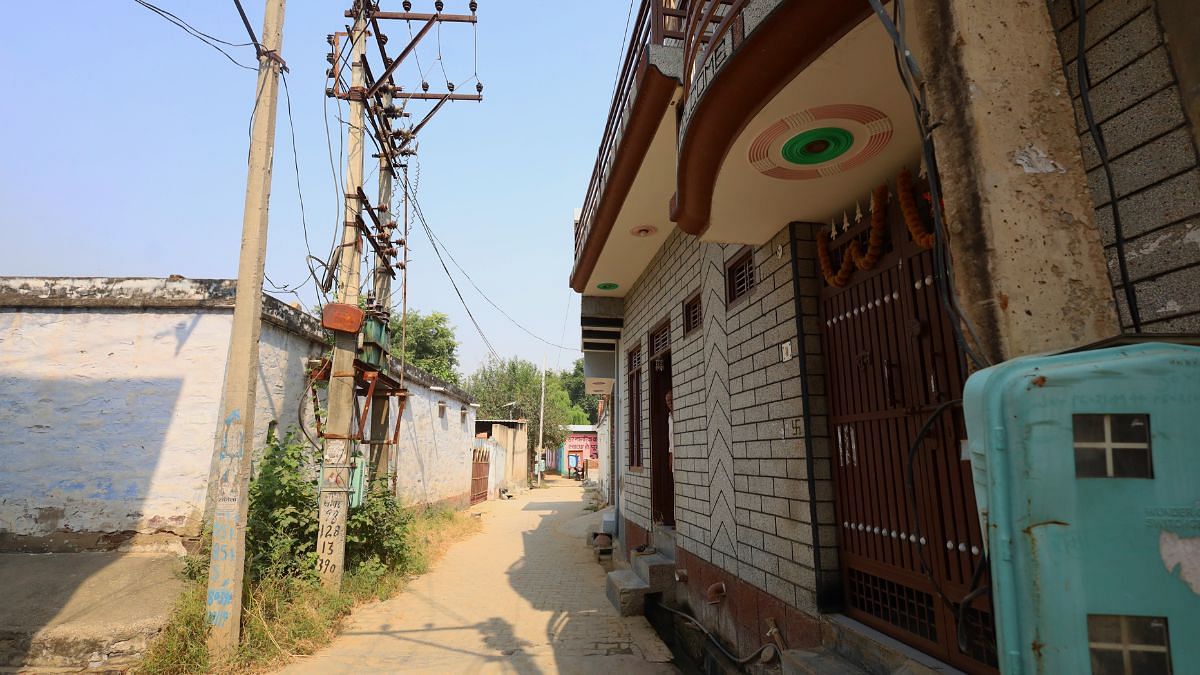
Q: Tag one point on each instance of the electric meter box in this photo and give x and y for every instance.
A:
(1087, 475)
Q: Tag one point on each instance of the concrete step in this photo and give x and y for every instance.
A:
(627, 592)
(657, 570)
(663, 540)
(817, 662)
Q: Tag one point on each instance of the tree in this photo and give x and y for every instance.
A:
(499, 383)
(430, 344)
(587, 403)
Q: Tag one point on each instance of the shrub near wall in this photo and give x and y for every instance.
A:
(287, 612)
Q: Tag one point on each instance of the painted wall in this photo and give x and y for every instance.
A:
(433, 457)
(107, 415)
(109, 394)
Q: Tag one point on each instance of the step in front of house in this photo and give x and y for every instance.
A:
(817, 662)
(656, 569)
(627, 592)
(663, 540)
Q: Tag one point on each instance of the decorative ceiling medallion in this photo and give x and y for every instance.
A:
(820, 142)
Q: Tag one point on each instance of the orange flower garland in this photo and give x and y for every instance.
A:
(878, 227)
(847, 268)
(912, 217)
(854, 257)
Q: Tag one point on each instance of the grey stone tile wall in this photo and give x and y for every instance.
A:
(742, 491)
(1135, 94)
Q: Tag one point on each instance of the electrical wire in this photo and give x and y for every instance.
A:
(434, 238)
(740, 660)
(198, 34)
(975, 590)
(910, 76)
(910, 492)
(1083, 77)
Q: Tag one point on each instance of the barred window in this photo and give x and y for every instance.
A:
(692, 314)
(739, 276)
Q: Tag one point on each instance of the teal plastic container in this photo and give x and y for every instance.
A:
(1087, 476)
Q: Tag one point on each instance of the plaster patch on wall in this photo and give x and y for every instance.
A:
(1033, 159)
(1182, 553)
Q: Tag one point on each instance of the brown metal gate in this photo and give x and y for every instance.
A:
(481, 462)
(907, 557)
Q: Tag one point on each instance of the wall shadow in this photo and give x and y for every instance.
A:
(79, 461)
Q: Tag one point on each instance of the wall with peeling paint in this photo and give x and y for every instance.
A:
(433, 456)
(107, 415)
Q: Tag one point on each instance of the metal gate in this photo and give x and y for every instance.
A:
(481, 462)
(908, 555)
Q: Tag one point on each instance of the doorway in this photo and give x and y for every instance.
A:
(909, 542)
(662, 479)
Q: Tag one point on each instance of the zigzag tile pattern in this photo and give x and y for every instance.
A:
(722, 526)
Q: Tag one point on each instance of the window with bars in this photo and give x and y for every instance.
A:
(660, 339)
(634, 363)
(692, 314)
(739, 276)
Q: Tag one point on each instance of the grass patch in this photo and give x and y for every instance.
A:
(286, 612)
(283, 617)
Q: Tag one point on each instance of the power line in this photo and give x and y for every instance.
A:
(198, 34)
(434, 238)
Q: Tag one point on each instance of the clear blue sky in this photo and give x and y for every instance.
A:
(125, 147)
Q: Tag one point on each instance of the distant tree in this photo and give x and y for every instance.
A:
(512, 388)
(430, 344)
(573, 382)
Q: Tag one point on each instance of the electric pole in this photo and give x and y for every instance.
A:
(235, 438)
(542, 423)
(335, 473)
(381, 409)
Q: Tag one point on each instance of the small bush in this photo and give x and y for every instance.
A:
(286, 611)
(281, 527)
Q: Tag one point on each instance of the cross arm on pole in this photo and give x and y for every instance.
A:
(420, 16)
(391, 68)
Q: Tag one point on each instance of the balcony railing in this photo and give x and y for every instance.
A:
(658, 22)
(707, 23)
(687, 24)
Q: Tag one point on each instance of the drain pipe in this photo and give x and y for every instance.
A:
(801, 353)
(764, 654)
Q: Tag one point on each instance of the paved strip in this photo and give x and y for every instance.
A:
(525, 595)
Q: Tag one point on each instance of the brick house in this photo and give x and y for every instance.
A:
(759, 239)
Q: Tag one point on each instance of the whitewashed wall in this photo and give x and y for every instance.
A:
(107, 415)
(433, 456)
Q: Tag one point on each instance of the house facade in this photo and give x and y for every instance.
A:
(810, 252)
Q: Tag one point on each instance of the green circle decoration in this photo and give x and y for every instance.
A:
(817, 146)
(607, 286)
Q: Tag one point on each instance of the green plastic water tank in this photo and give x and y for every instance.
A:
(1087, 476)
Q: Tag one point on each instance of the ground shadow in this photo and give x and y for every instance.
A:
(78, 458)
(558, 574)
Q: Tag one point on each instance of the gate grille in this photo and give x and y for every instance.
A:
(892, 360)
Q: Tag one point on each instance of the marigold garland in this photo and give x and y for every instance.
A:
(912, 217)
(854, 256)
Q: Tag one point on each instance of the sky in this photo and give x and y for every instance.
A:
(125, 141)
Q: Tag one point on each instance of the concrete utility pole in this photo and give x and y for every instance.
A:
(335, 474)
(542, 423)
(235, 438)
